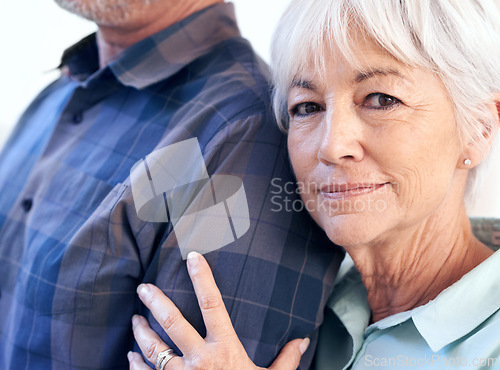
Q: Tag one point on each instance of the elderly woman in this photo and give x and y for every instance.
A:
(390, 108)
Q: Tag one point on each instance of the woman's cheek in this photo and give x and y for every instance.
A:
(303, 153)
(410, 187)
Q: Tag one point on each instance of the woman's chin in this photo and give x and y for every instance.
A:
(352, 230)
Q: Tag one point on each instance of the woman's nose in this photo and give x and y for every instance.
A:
(341, 137)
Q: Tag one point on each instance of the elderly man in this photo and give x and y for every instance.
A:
(77, 232)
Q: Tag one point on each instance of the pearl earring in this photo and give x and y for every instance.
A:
(467, 162)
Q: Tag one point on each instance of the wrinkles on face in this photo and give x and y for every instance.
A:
(394, 127)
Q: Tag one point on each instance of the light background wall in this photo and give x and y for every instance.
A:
(33, 34)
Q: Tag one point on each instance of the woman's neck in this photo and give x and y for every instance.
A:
(411, 271)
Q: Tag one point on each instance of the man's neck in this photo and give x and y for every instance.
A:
(113, 39)
(406, 274)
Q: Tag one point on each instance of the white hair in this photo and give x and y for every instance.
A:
(459, 40)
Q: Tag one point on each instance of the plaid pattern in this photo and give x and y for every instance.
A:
(72, 249)
(487, 230)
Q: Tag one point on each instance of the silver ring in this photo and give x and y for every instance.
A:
(164, 357)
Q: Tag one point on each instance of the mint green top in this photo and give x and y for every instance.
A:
(459, 329)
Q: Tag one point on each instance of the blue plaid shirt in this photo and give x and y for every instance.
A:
(72, 248)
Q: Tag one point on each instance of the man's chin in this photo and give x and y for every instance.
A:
(100, 12)
(80, 8)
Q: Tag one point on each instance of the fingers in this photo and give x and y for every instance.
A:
(215, 316)
(149, 342)
(289, 357)
(170, 318)
(136, 362)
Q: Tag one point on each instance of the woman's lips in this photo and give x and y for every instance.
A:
(344, 191)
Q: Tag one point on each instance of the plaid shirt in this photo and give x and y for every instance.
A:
(72, 248)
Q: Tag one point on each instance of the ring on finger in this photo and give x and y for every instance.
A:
(164, 357)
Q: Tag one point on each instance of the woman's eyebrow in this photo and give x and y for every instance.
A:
(362, 76)
(303, 84)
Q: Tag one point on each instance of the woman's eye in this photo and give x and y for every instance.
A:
(381, 101)
(305, 109)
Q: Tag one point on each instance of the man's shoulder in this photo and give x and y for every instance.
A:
(233, 69)
(228, 86)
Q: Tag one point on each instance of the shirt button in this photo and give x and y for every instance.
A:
(27, 204)
(77, 118)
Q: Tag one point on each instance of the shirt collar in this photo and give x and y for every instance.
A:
(349, 301)
(440, 322)
(81, 59)
(461, 308)
(162, 55)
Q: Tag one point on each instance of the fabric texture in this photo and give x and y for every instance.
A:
(487, 230)
(458, 329)
(72, 248)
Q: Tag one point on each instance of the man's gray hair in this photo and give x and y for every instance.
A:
(459, 40)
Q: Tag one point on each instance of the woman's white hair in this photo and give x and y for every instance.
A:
(459, 40)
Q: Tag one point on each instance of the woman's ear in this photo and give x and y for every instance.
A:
(475, 155)
(495, 112)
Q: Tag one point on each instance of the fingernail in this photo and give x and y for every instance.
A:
(130, 356)
(193, 259)
(143, 290)
(303, 346)
(135, 320)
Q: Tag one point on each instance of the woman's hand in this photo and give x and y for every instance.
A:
(221, 349)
